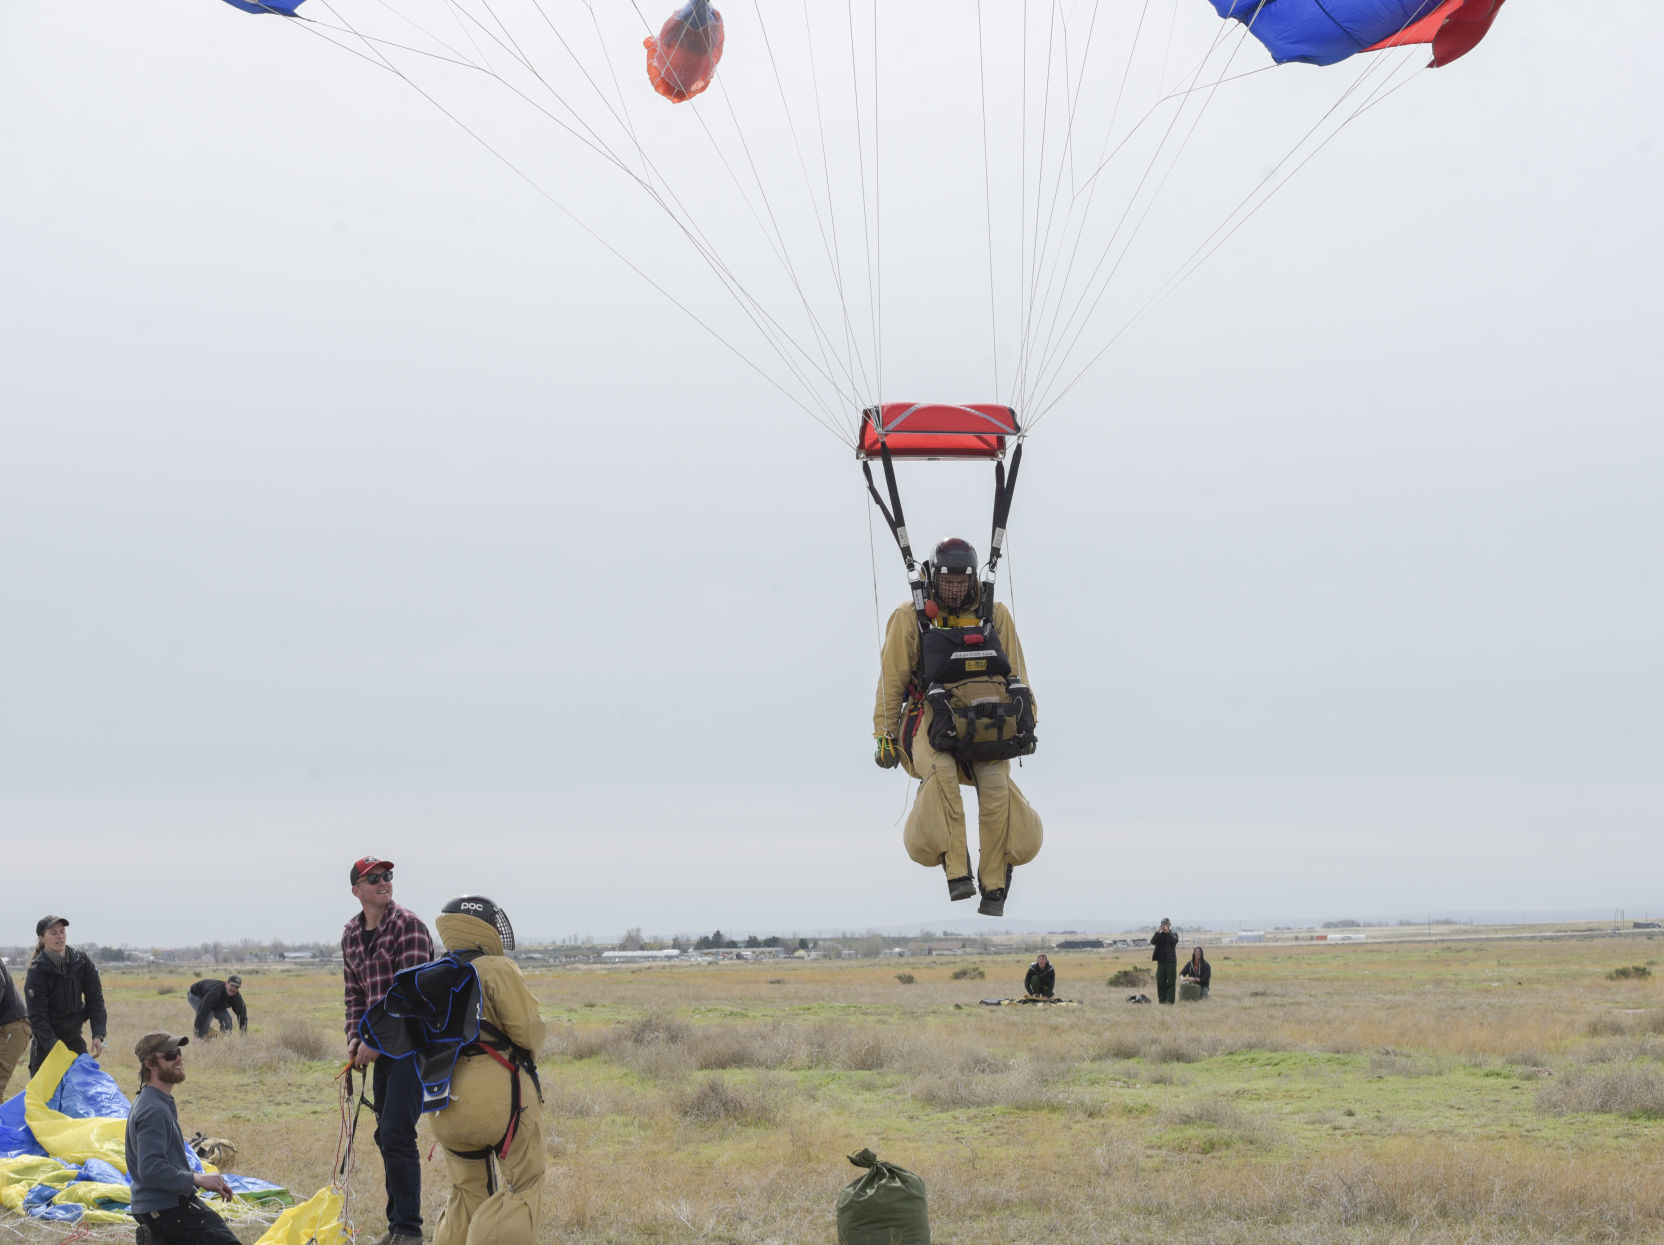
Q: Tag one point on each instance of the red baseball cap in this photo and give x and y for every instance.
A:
(367, 864)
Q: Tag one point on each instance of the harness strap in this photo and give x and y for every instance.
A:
(1005, 485)
(897, 523)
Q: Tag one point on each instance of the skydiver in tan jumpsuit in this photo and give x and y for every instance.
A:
(495, 1158)
(1008, 828)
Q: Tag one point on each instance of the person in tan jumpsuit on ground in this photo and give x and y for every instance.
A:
(496, 1189)
(1008, 829)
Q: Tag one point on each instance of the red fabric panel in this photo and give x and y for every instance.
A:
(938, 430)
(1454, 29)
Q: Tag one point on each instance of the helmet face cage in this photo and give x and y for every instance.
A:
(487, 911)
(954, 559)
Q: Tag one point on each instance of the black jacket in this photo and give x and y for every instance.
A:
(1165, 944)
(1200, 973)
(11, 1003)
(62, 1000)
(1040, 981)
(216, 998)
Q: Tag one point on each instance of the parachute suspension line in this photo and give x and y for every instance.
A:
(1092, 189)
(618, 87)
(384, 63)
(897, 522)
(988, 203)
(877, 611)
(861, 389)
(1225, 229)
(1066, 163)
(877, 205)
(861, 165)
(1033, 265)
(832, 212)
(1051, 360)
(852, 395)
(753, 307)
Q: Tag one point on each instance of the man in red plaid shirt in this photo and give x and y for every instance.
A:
(376, 945)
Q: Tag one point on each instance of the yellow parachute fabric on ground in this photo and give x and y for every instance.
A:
(62, 1136)
(19, 1175)
(316, 1221)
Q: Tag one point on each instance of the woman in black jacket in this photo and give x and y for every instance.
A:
(1197, 969)
(63, 994)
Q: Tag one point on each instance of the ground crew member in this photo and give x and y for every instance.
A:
(1197, 969)
(492, 1129)
(376, 944)
(1164, 940)
(1008, 828)
(64, 994)
(212, 999)
(1041, 978)
(159, 1168)
(14, 1029)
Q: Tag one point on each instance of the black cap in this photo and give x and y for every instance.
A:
(47, 922)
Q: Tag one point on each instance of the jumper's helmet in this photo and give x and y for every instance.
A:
(481, 907)
(953, 584)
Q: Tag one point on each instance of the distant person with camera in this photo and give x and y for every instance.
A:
(1166, 956)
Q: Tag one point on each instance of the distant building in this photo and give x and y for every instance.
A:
(1249, 935)
(1081, 944)
(668, 953)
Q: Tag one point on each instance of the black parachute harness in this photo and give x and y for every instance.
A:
(1005, 486)
(950, 432)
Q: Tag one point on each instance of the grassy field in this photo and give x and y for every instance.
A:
(1405, 1092)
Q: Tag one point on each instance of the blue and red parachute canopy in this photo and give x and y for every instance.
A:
(285, 7)
(937, 430)
(1324, 32)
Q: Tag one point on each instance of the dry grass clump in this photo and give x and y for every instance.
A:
(715, 1099)
(1391, 1062)
(304, 1041)
(1214, 1123)
(1023, 1086)
(1628, 1089)
(659, 1028)
(1129, 979)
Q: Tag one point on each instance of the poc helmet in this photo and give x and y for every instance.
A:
(953, 582)
(482, 908)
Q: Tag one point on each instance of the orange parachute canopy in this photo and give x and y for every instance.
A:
(682, 59)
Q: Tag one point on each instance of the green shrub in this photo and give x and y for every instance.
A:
(1632, 972)
(1129, 979)
(969, 973)
(906, 979)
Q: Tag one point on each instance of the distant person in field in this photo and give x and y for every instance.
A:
(1041, 978)
(14, 1029)
(1166, 956)
(376, 944)
(159, 1167)
(1197, 969)
(64, 995)
(212, 999)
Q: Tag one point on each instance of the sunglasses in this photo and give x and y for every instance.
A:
(169, 1055)
(386, 875)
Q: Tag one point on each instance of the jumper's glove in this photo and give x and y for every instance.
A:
(885, 756)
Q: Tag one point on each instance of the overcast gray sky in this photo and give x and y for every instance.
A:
(355, 500)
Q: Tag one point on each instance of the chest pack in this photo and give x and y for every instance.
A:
(980, 711)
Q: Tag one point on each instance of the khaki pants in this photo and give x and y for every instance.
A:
(14, 1049)
(1008, 828)
(476, 1119)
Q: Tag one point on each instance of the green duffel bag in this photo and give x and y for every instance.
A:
(885, 1205)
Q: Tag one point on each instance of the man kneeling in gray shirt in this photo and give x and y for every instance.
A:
(164, 1186)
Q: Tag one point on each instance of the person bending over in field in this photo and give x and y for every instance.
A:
(1041, 978)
